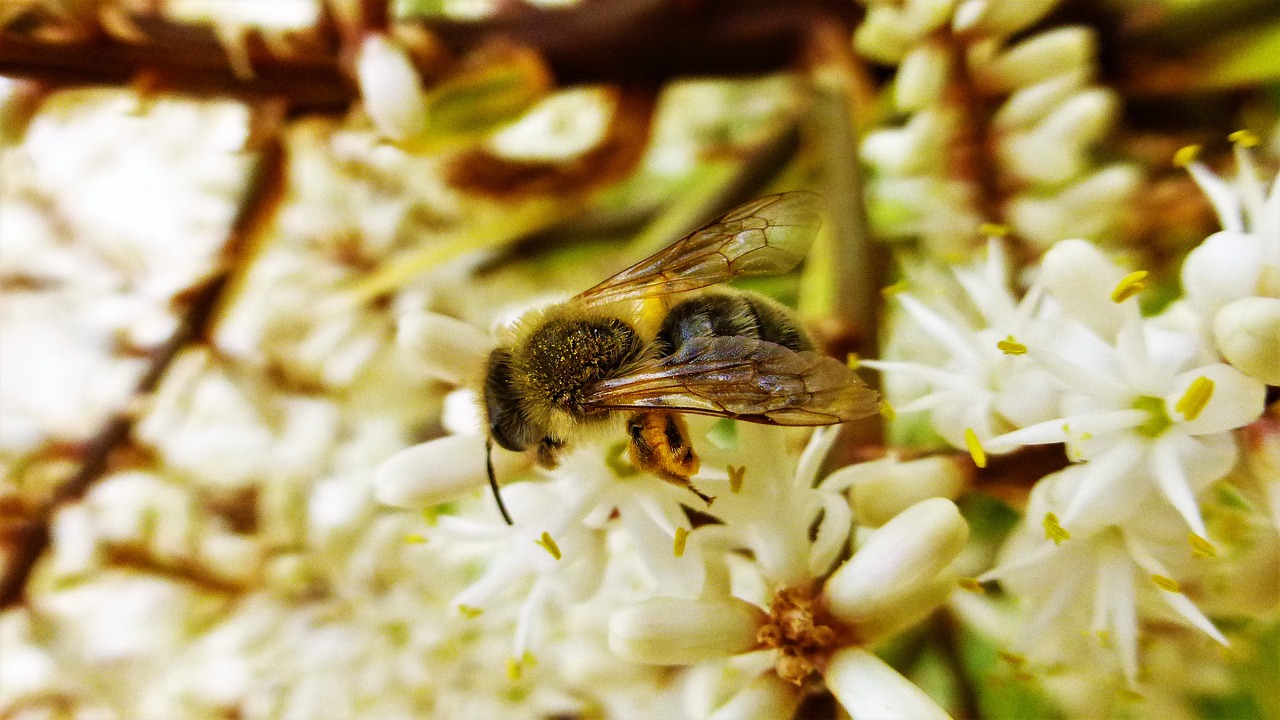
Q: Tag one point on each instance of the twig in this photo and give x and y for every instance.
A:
(638, 42)
(32, 537)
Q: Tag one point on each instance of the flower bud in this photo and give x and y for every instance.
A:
(1221, 269)
(449, 349)
(1248, 335)
(921, 78)
(871, 690)
(441, 470)
(1056, 150)
(880, 490)
(904, 555)
(391, 89)
(1042, 56)
(1085, 209)
(999, 18)
(767, 697)
(676, 631)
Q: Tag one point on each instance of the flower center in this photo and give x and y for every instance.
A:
(801, 632)
(1157, 418)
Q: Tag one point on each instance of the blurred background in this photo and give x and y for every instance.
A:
(213, 211)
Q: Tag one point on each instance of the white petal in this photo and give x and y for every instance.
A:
(904, 554)
(1223, 268)
(1182, 605)
(1221, 195)
(441, 470)
(871, 690)
(450, 349)
(1235, 399)
(391, 89)
(1171, 477)
(768, 697)
(676, 631)
(1082, 278)
(1248, 335)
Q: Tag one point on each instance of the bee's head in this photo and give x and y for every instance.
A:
(509, 424)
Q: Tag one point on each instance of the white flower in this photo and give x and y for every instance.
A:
(1107, 578)
(984, 384)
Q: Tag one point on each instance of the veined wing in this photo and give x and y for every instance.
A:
(763, 237)
(741, 378)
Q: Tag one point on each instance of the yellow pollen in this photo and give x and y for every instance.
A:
(1104, 638)
(736, 476)
(1192, 402)
(514, 669)
(1053, 530)
(468, 611)
(1129, 285)
(1009, 346)
(415, 538)
(682, 536)
(1167, 584)
(975, 448)
(1201, 547)
(852, 360)
(994, 230)
(1186, 155)
(972, 585)
(886, 410)
(1243, 138)
(549, 545)
(894, 289)
(430, 515)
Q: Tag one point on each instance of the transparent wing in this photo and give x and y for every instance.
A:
(764, 237)
(741, 378)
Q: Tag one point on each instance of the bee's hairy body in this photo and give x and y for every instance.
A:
(533, 388)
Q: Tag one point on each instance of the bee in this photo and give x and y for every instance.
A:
(657, 340)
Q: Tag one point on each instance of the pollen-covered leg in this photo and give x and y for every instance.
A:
(660, 446)
(547, 454)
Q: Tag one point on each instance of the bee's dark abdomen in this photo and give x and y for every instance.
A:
(739, 314)
(566, 356)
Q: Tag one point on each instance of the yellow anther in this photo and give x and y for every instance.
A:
(549, 544)
(1053, 530)
(993, 230)
(468, 611)
(1013, 658)
(1128, 693)
(736, 476)
(886, 410)
(975, 448)
(1167, 584)
(514, 669)
(1186, 155)
(1201, 547)
(430, 516)
(1192, 402)
(1009, 346)
(682, 536)
(1129, 285)
(1104, 638)
(894, 289)
(853, 360)
(415, 538)
(1244, 138)
(972, 585)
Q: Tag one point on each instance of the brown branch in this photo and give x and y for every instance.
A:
(31, 537)
(637, 42)
(976, 147)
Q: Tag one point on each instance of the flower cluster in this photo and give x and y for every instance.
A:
(1151, 410)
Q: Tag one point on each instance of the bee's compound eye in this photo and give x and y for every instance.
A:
(508, 425)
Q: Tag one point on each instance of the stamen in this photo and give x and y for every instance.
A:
(1186, 155)
(1244, 138)
(1015, 659)
(853, 360)
(972, 585)
(1200, 547)
(894, 289)
(975, 448)
(468, 611)
(1192, 402)
(549, 545)
(1053, 530)
(1166, 584)
(886, 411)
(736, 476)
(1129, 285)
(993, 230)
(1009, 346)
(682, 536)
(415, 538)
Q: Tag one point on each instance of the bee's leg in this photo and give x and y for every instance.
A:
(660, 446)
(547, 454)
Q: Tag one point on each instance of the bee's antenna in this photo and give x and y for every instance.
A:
(493, 481)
